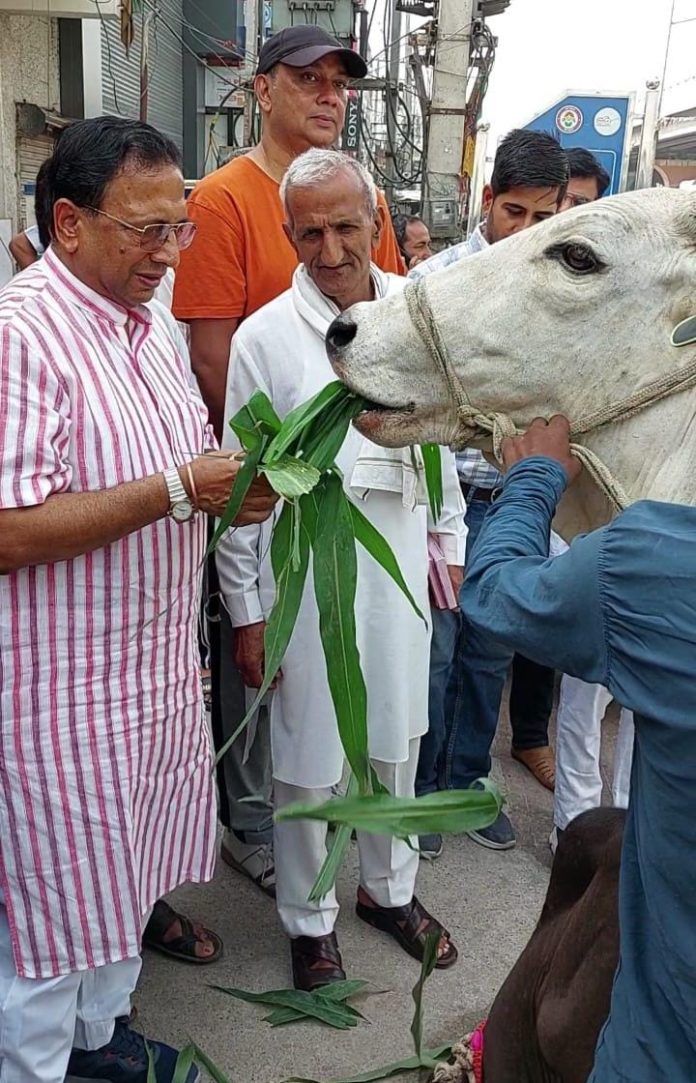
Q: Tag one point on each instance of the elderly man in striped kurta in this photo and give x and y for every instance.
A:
(106, 791)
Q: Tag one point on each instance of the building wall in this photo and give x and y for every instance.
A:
(28, 73)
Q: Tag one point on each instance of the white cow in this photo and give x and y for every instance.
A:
(572, 316)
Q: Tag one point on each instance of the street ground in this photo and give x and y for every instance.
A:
(489, 901)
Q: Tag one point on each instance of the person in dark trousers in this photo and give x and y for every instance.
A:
(529, 180)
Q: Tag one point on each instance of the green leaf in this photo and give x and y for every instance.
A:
(427, 966)
(215, 1073)
(291, 477)
(298, 419)
(380, 550)
(336, 1014)
(435, 813)
(290, 580)
(337, 849)
(408, 1064)
(432, 463)
(335, 578)
(183, 1064)
(241, 486)
(336, 991)
(261, 408)
(151, 1076)
(246, 429)
(322, 441)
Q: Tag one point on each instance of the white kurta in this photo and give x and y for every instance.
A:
(280, 350)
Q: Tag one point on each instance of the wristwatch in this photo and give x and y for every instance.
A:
(181, 508)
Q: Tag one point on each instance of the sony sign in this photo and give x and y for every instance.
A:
(351, 127)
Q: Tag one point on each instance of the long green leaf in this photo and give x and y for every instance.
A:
(337, 849)
(290, 579)
(408, 1064)
(151, 1077)
(291, 477)
(215, 1073)
(298, 419)
(435, 813)
(432, 463)
(335, 578)
(336, 991)
(322, 441)
(183, 1064)
(428, 962)
(335, 1014)
(242, 484)
(380, 550)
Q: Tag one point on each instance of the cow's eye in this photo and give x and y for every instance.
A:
(579, 259)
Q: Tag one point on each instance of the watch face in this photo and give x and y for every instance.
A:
(182, 511)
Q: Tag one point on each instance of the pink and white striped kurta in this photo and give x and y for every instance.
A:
(106, 790)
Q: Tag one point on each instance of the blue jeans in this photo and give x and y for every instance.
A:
(430, 776)
(474, 690)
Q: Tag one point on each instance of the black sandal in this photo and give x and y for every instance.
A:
(410, 926)
(308, 950)
(179, 947)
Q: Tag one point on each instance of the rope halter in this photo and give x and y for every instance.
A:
(472, 423)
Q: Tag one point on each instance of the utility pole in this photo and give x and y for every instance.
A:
(648, 135)
(445, 150)
(253, 16)
(392, 103)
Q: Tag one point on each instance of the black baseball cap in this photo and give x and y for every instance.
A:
(300, 46)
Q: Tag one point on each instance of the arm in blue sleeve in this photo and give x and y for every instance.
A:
(547, 609)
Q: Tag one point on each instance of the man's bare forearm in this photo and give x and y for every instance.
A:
(70, 524)
(210, 352)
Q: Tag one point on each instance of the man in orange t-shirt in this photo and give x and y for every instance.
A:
(241, 259)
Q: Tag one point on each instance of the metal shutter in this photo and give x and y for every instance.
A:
(32, 153)
(121, 70)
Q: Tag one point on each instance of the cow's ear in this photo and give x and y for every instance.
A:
(684, 334)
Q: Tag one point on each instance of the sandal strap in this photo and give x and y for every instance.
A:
(418, 922)
(314, 949)
(161, 919)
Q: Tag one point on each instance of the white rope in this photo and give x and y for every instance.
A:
(473, 423)
(462, 1068)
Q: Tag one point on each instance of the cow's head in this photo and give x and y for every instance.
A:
(562, 318)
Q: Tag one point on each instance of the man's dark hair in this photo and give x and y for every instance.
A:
(42, 204)
(401, 223)
(528, 159)
(90, 153)
(584, 164)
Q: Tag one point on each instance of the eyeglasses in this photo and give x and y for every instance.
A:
(153, 238)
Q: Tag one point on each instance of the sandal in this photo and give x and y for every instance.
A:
(306, 951)
(179, 947)
(410, 926)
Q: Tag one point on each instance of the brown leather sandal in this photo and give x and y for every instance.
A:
(410, 926)
(179, 947)
(306, 952)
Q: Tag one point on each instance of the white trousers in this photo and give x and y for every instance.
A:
(388, 866)
(581, 708)
(42, 1019)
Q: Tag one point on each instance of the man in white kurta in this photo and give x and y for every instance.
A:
(280, 349)
(106, 789)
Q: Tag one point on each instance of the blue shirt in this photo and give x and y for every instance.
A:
(619, 608)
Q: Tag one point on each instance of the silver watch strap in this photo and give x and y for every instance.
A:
(175, 487)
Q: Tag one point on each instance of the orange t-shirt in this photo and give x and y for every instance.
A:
(241, 258)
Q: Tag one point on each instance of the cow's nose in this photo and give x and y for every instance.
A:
(340, 334)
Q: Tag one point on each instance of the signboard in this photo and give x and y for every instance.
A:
(220, 88)
(600, 123)
(351, 127)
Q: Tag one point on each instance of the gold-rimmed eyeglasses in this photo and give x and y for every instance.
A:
(154, 237)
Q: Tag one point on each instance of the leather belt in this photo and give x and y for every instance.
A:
(471, 492)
